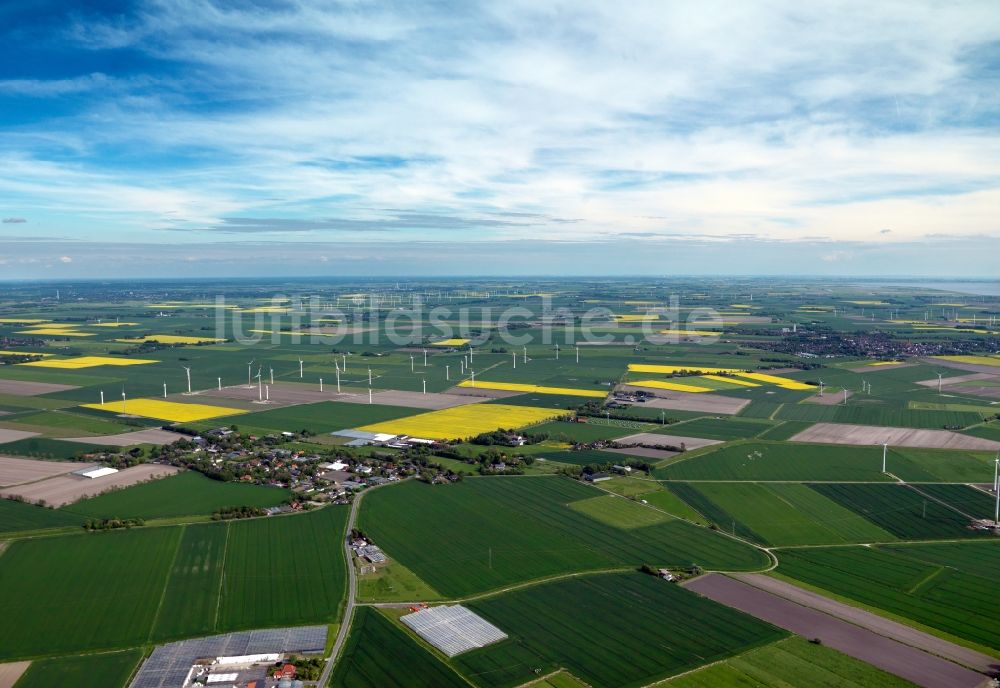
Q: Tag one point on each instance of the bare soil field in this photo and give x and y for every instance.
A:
(645, 452)
(828, 398)
(877, 369)
(958, 379)
(431, 400)
(673, 440)
(991, 392)
(843, 433)
(149, 436)
(890, 655)
(873, 622)
(971, 367)
(481, 392)
(690, 401)
(10, 672)
(66, 489)
(21, 388)
(243, 397)
(15, 471)
(9, 435)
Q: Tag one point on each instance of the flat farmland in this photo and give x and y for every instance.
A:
(461, 422)
(787, 514)
(722, 428)
(284, 570)
(613, 630)
(968, 500)
(790, 663)
(500, 531)
(105, 670)
(18, 516)
(882, 414)
(950, 587)
(902, 511)
(14, 471)
(585, 432)
(378, 653)
(704, 402)
(324, 417)
(186, 494)
(779, 461)
(191, 598)
(66, 489)
(618, 512)
(842, 433)
(101, 590)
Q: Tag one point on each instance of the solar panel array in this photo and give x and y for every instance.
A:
(168, 665)
(453, 629)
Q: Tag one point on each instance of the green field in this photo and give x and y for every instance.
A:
(285, 570)
(618, 512)
(378, 653)
(790, 663)
(47, 448)
(902, 511)
(612, 630)
(187, 494)
(779, 461)
(950, 587)
(105, 670)
(484, 533)
(18, 516)
(781, 514)
(117, 589)
(101, 590)
(890, 413)
(582, 457)
(322, 417)
(720, 428)
(584, 432)
(968, 500)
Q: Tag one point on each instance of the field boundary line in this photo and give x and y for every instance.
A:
(942, 502)
(222, 579)
(166, 584)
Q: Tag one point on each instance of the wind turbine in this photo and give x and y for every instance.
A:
(300, 368)
(939, 384)
(260, 384)
(249, 378)
(369, 377)
(996, 485)
(102, 397)
(447, 374)
(885, 453)
(272, 375)
(412, 369)
(525, 354)
(187, 370)
(123, 401)
(164, 390)
(577, 354)
(821, 385)
(515, 360)
(473, 378)
(557, 352)
(425, 358)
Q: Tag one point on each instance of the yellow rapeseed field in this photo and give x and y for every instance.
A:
(537, 389)
(783, 382)
(455, 341)
(637, 317)
(114, 324)
(22, 353)
(166, 410)
(22, 321)
(885, 363)
(730, 380)
(673, 386)
(464, 421)
(691, 333)
(56, 332)
(89, 362)
(670, 369)
(170, 339)
(975, 360)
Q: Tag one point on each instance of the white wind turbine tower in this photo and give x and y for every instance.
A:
(885, 453)
(272, 375)
(187, 370)
(996, 489)
(123, 401)
(821, 385)
(260, 384)
(425, 358)
(300, 368)
(249, 375)
(939, 384)
(102, 397)
(164, 390)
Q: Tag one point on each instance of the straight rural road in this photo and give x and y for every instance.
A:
(873, 622)
(915, 665)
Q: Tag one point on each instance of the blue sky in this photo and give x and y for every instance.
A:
(520, 137)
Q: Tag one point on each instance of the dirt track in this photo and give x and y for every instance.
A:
(844, 433)
(902, 660)
(15, 471)
(66, 489)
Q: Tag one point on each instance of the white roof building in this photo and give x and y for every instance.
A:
(97, 472)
